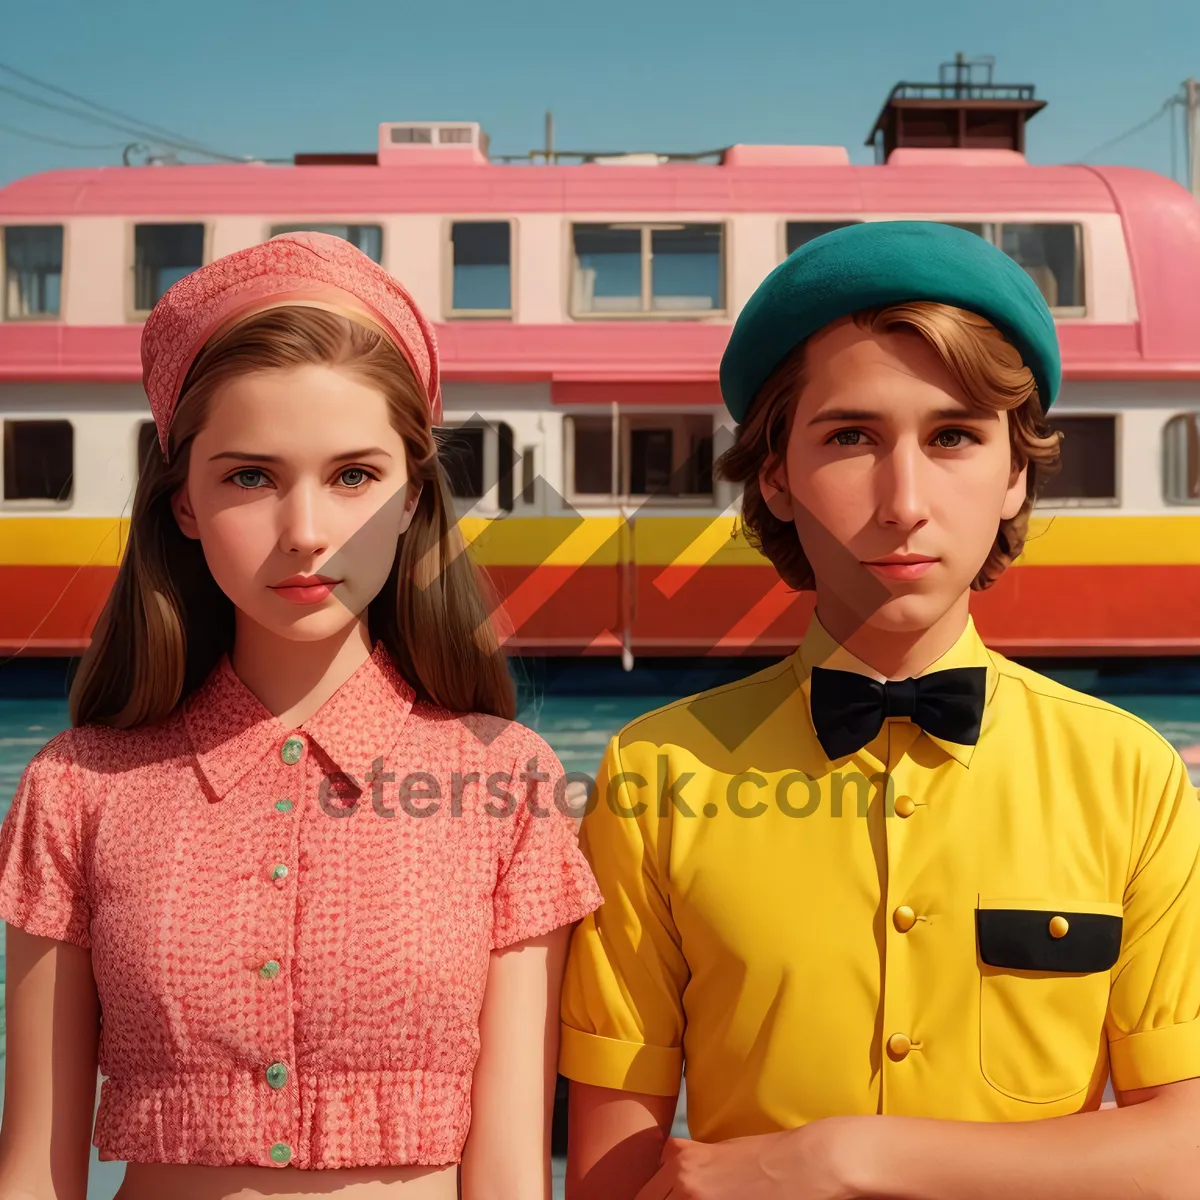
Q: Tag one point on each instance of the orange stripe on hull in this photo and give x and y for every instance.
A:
(1052, 610)
(51, 610)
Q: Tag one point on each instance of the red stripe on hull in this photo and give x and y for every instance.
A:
(51, 610)
(1031, 610)
(1050, 610)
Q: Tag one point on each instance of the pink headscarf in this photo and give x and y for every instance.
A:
(293, 268)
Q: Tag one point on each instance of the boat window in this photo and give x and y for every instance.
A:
(1052, 258)
(661, 455)
(528, 479)
(648, 270)
(801, 232)
(162, 255)
(1050, 252)
(33, 263)
(506, 466)
(1089, 462)
(460, 448)
(591, 445)
(481, 268)
(368, 238)
(685, 271)
(38, 460)
(1181, 459)
(608, 270)
(975, 227)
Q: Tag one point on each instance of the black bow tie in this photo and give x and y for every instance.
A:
(848, 709)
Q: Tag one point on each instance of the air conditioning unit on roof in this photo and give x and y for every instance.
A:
(403, 143)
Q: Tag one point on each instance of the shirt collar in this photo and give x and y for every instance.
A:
(232, 731)
(820, 649)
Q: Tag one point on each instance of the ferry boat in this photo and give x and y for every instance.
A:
(582, 303)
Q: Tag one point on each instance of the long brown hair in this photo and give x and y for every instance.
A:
(982, 362)
(166, 622)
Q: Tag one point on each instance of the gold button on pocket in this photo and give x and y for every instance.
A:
(1043, 993)
(905, 806)
(899, 1044)
(904, 918)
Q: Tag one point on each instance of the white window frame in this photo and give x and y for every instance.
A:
(456, 314)
(1188, 415)
(488, 504)
(308, 222)
(991, 232)
(37, 318)
(1076, 502)
(133, 314)
(646, 312)
(620, 469)
(812, 219)
(38, 503)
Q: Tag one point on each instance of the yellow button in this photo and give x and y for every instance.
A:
(905, 806)
(899, 1044)
(904, 918)
(1058, 927)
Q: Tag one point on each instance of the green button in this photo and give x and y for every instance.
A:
(292, 750)
(277, 1075)
(283, 805)
(269, 969)
(281, 1152)
(278, 871)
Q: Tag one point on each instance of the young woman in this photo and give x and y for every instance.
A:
(896, 901)
(295, 880)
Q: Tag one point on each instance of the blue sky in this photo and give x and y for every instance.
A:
(270, 79)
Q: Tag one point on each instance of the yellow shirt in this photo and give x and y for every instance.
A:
(814, 938)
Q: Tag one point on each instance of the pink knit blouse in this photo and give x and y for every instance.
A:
(290, 966)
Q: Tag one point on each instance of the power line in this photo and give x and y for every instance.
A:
(1169, 103)
(53, 87)
(53, 141)
(134, 130)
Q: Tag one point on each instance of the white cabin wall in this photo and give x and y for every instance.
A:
(413, 252)
(539, 272)
(1108, 277)
(553, 463)
(97, 271)
(1142, 409)
(105, 419)
(523, 407)
(98, 265)
(752, 253)
(232, 233)
(725, 494)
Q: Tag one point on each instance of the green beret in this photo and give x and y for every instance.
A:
(886, 262)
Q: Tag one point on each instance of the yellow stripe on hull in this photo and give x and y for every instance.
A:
(62, 541)
(1076, 540)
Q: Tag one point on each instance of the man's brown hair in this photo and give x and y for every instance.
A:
(982, 362)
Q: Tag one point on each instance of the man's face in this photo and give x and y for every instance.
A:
(896, 484)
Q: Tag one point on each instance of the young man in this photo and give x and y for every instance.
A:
(901, 905)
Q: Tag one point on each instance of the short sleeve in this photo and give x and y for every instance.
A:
(42, 888)
(622, 1003)
(545, 882)
(1153, 1022)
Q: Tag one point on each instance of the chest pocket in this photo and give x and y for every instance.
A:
(1043, 993)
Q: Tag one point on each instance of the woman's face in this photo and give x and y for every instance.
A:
(298, 474)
